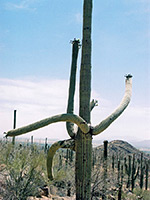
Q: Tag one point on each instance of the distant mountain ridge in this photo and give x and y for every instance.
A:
(121, 148)
(138, 144)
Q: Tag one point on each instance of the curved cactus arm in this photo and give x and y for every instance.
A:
(93, 103)
(52, 150)
(81, 123)
(70, 107)
(124, 103)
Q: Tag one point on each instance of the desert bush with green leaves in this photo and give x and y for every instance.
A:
(23, 171)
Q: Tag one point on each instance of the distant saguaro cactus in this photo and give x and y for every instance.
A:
(32, 140)
(105, 149)
(71, 155)
(81, 140)
(120, 184)
(113, 161)
(134, 173)
(119, 171)
(141, 172)
(104, 189)
(128, 170)
(146, 178)
(14, 126)
(46, 146)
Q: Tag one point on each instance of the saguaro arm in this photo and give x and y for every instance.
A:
(124, 103)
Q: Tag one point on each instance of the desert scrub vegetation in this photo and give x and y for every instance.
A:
(23, 171)
(63, 169)
(121, 174)
(136, 194)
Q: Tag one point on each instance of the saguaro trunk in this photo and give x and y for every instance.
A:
(83, 143)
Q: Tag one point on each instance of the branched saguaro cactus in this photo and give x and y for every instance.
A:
(81, 140)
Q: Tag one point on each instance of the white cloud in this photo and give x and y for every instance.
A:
(33, 100)
(133, 124)
(22, 5)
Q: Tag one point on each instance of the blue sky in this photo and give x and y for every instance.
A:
(35, 56)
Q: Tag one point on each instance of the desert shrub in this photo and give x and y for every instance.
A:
(24, 168)
(24, 171)
(142, 194)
